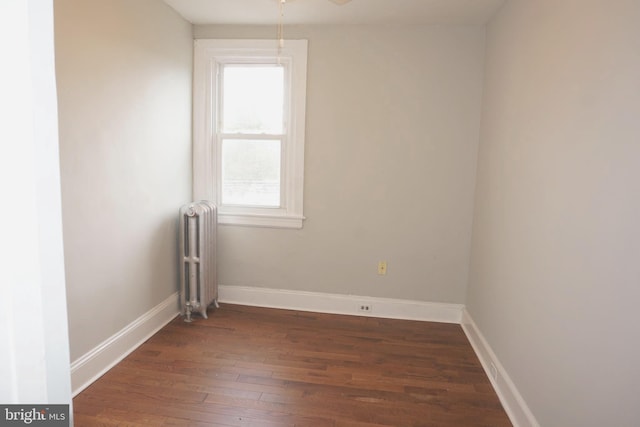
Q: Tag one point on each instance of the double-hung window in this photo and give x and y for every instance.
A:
(249, 123)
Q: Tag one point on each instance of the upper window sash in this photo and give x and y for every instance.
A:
(225, 64)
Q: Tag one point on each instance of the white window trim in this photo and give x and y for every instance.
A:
(209, 52)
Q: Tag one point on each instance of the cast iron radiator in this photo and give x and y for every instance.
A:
(197, 257)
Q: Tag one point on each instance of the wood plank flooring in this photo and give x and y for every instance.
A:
(249, 366)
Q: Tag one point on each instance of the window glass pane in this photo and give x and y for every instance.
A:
(253, 98)
(251, 172)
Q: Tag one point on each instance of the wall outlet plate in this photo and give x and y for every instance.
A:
(382, 268)
(494, 371)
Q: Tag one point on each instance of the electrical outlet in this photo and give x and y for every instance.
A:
(365, 308)
(382, 268)
(494, 371)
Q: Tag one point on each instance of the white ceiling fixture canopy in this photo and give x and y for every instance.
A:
(338, 2)
(351, 12)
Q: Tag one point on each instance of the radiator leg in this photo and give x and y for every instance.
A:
(215, 301)
(188, 310)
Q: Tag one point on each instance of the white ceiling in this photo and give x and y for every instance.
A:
(266, 12)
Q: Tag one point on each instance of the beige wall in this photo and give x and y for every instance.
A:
(554, 282)
(124, 85)
(392, 128)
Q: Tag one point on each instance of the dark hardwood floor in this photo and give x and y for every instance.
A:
(248, 366)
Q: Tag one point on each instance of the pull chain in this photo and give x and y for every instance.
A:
(281, 26)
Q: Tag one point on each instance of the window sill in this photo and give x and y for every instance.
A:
(272, 221)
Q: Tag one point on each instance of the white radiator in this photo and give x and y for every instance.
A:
(197, 256)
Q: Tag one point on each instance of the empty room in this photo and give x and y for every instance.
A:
(427, 212)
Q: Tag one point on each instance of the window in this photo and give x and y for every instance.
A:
(249, 124)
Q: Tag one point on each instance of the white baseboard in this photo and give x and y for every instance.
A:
(91, 366)
(341, 304)
(513, 403)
